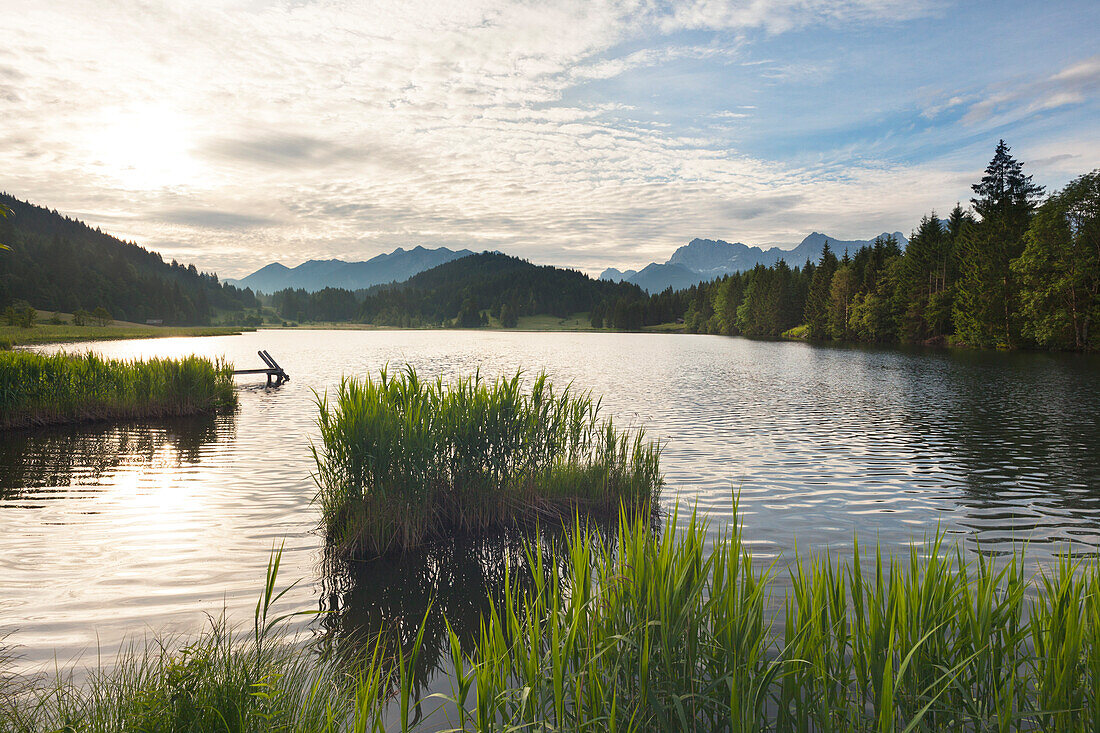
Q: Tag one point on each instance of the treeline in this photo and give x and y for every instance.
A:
(60, 264)
(1015, 271)
(462, 293)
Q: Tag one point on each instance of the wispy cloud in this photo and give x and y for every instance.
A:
(242, 132)
(1074, 84)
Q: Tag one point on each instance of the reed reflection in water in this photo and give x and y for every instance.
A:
(458, 581)
(40, 464)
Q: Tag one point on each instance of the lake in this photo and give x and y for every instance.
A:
(110, 532)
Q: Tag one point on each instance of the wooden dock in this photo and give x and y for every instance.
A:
(275, 373)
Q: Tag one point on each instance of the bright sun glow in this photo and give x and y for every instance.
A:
(145, 147)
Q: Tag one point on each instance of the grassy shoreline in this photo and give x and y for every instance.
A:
(66, 333)
(40, 389)
(527, 324)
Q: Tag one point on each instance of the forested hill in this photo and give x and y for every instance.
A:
(61, 264)
(463, 293)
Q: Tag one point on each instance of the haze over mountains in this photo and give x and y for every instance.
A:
(701, 260)
(314, 275)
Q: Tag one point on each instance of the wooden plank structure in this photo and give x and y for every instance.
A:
(275, 373)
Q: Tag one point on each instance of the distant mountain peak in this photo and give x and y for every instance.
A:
(314, 275)
(614, 275)
(701, 260)
(274, 267)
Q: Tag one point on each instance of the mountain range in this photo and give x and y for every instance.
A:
(314, 275)
(701, 260)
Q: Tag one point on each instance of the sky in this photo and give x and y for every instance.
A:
(577, 133)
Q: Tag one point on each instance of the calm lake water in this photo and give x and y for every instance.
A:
(110, 533)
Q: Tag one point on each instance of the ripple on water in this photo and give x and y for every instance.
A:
(111, 531)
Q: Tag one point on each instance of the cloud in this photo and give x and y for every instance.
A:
(779, 16)
(207, 219)
(238, 133)
(280, 150)
(1072, 85)
(935, 109)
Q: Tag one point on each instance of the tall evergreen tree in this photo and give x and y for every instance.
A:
(728, 295)
(841, 292)
(985, 311)
(1059, 269)
(5, 212)
(921, 278)
(816, 312)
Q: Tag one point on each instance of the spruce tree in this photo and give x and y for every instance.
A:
(920, 278)
(1059, 269)
(985, 312)
(841, 293)
(5, 212)
(816, 312)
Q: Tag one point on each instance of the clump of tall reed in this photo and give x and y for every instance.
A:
(219, 681)
(658, 633)
(403, 460)
(41, 389)
(652, 631)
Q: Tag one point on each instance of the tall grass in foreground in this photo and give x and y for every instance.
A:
(404, 460)
(655, 633)
(40, 389)
(219, 681)
(658, 633)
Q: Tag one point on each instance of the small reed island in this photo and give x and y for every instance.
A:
(404, 460)
(49, 389)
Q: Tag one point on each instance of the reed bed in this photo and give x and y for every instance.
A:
(220, 681)
(658, 633)
(404, 460)
(40, 389)
(652, 632)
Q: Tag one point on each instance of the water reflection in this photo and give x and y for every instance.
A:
(48, 463)
(457, 581)
(1022, 441)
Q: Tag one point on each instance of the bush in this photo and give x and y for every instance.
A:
(101, 317)
(20, 314)
(798, 332)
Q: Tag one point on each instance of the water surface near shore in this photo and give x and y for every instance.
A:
(109, 532)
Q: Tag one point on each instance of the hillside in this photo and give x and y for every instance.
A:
(461, 292)
(314, 275)
(61, 264)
